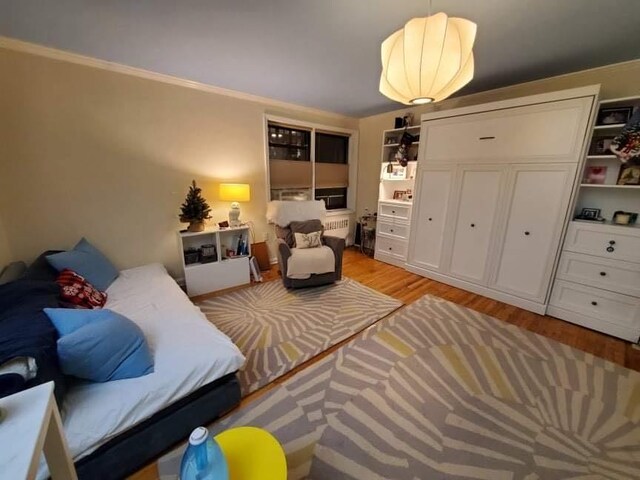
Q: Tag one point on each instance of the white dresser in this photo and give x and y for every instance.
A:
(597, 284)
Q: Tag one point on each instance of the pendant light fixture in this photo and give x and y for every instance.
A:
(427, 60)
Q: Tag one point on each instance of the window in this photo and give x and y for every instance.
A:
(306, 161)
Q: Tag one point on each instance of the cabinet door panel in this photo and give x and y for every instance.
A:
(478, 203)
(538, 203)
(429, 220)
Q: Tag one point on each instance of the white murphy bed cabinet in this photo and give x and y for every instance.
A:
(493, 193)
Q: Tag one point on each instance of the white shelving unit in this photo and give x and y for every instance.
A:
(609, 197)
(597, 283)
(394, 214)
(226, 270)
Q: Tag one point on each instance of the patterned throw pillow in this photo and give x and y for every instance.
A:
(77, 291)
(308, 240)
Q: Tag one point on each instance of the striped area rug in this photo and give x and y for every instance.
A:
(440, 391)
(278, 329)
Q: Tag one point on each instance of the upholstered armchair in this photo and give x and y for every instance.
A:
(302, 262)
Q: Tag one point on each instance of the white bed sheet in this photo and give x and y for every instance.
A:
(188, 352)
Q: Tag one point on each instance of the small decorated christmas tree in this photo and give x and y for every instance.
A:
(195, 209)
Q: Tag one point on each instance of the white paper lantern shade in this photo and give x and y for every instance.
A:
(427, 60)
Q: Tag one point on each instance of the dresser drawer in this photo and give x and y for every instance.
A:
(389, 246)
(607, 306)
(552, 130)
(394, 212)
(394, 230)
(607, 241)
(614, 275)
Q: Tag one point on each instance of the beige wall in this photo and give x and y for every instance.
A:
(5, 251)
(618, 80)
(90, 152)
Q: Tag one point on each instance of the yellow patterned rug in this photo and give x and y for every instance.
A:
(278, 329)
(440, 391)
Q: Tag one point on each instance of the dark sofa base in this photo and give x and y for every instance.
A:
(138, 446)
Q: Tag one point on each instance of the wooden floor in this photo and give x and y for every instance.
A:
(408, 287)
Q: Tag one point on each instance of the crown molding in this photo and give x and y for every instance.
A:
(65, 56)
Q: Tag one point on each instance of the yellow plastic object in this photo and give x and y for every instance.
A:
(252, 454)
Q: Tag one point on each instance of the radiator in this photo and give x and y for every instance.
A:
(341, 225)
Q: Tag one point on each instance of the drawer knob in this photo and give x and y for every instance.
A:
(430, 218)
(393, 211)
(390, 248)
(612, 242)
(391, 230)
(526, 233)
(594, 303)
(603, 274)
(610, 249)
(473, 225)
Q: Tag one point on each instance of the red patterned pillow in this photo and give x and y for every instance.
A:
(76, 290)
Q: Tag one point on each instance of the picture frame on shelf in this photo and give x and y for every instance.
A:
(590, 214)
(614, 116)
(629, 175)
(624, 218)
(399, 194)
(396, 172)
(595, 175)
(601, 145)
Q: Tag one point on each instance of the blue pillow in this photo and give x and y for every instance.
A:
(88, 261)
(100, 345)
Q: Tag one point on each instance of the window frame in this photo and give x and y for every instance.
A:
(352, 159)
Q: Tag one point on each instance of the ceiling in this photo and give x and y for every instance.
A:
(324, 53)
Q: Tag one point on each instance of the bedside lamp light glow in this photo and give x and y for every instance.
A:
(235, 192)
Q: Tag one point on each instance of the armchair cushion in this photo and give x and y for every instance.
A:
(305, 262)
(308, 226)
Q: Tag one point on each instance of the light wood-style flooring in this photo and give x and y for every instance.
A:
(408, 287)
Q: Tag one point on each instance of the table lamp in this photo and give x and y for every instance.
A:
(235, 192)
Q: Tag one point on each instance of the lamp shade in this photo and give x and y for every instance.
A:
(427, 60)
(235, 192)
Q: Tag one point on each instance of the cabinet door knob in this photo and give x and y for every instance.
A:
(473, 225)
(526, 233)
(612, 242)
(594, 303)
(610, 249)
(603, 274)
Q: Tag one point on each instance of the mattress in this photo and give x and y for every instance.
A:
(188, 353)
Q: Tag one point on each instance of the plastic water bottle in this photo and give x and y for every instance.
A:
(203, 459)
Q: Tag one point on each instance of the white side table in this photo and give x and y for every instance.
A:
(31, 424)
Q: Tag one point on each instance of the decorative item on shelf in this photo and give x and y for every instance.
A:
(629, 175)
(601, 145)
(590, 214)
(224, 224)
(402, 155)
(235, 192)
(208, 253)
(428, 59)
(390, 140)
(624, 218)
(191, 255)
(399, 194)
(195, 209)
(395, 172)
(614, 116)
(595, 175)
(626, 146)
